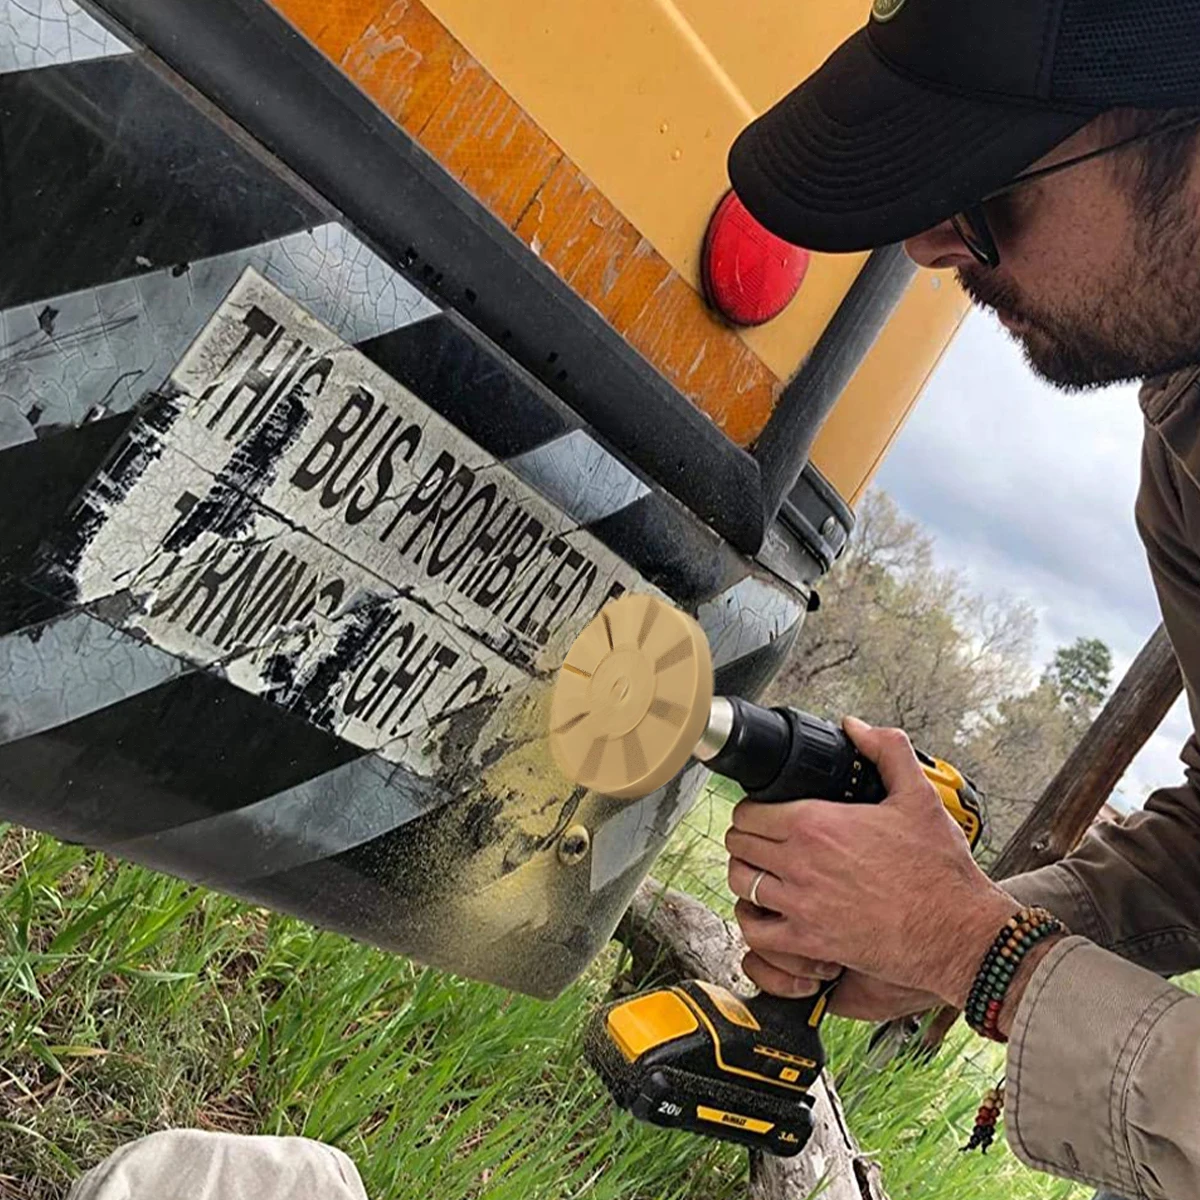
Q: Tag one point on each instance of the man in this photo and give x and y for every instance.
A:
(1048, 152)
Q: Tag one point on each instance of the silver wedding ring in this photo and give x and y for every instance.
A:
(754, 889)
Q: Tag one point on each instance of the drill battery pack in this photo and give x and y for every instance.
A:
(694, 1057)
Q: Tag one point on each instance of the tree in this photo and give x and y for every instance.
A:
(898, 641)
(1020, 746)
(1014, 753)
(1082, 673)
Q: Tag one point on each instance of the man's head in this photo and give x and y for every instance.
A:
(941, 104)
(1099, 271)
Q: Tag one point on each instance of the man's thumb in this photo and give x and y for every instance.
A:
(891, 751)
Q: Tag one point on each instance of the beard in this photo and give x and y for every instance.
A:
(1142, 320)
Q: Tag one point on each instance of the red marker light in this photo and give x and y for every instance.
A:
(749, 274)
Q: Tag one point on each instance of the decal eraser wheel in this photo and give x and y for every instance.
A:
(632, 698)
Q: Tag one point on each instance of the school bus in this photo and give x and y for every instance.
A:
(354, 355)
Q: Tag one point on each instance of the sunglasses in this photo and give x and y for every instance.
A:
(972, 226)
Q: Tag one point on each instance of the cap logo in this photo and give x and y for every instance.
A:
(885, 10)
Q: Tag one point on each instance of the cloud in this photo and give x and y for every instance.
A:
(1029, 492)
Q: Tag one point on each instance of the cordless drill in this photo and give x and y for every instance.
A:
(700, 1058)
(633, 704)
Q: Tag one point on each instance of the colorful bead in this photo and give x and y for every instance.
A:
(1015, 939)
(984, 1133)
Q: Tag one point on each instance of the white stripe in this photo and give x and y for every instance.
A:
(45, 33)
(106, 347)
(14, 427)
(57, 673)
(580, 476)
(637, 828)
(746, 617)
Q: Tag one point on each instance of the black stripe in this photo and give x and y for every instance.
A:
(23, 606)
(456, 371)
(671, 549)
(750, 675)
(186, 749)
(39, 482)
(103, 164)
(40, 479)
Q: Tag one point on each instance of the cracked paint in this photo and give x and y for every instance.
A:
(106, 347)
(44, 33)
(637, 829)
(746, 617)
(72, 667)
(15, 426)
(289, 486)
(287, 517)
(580, 476)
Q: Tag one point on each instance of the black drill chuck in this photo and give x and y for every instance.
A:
(780, 754)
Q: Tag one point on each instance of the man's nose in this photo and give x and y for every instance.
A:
(939, 248)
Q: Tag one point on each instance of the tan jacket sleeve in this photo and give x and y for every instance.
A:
(1104, 1075)
(1104, 1058)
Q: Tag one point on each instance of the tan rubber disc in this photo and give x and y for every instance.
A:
(632, 699)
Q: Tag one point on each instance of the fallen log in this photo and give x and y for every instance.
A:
(672, 936)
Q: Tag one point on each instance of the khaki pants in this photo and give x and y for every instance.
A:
(187, 1164)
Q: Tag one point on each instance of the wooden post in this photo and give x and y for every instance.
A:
(1068, 806)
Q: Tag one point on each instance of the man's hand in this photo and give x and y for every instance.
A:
(857, 996)
(890, 891)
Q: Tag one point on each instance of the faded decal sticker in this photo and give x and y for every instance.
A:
(290, 515)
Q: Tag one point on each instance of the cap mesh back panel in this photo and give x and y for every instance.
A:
(1137, 52)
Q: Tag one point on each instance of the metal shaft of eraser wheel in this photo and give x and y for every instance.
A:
(745, 742)
(717, 732)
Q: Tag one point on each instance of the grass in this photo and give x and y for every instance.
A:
(130, 1002)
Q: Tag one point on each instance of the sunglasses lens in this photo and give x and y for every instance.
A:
(972, 227)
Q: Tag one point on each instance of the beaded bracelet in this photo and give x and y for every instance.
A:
(1020, 934)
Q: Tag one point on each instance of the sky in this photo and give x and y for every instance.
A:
(1029, 492)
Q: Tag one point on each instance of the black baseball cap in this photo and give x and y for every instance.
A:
(937, 103)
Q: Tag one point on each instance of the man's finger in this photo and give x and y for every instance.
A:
(764, 930)
(757, 851)
(801, 967)
(754, 885)
(762, 820)
(891, 751)
(778, 983)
